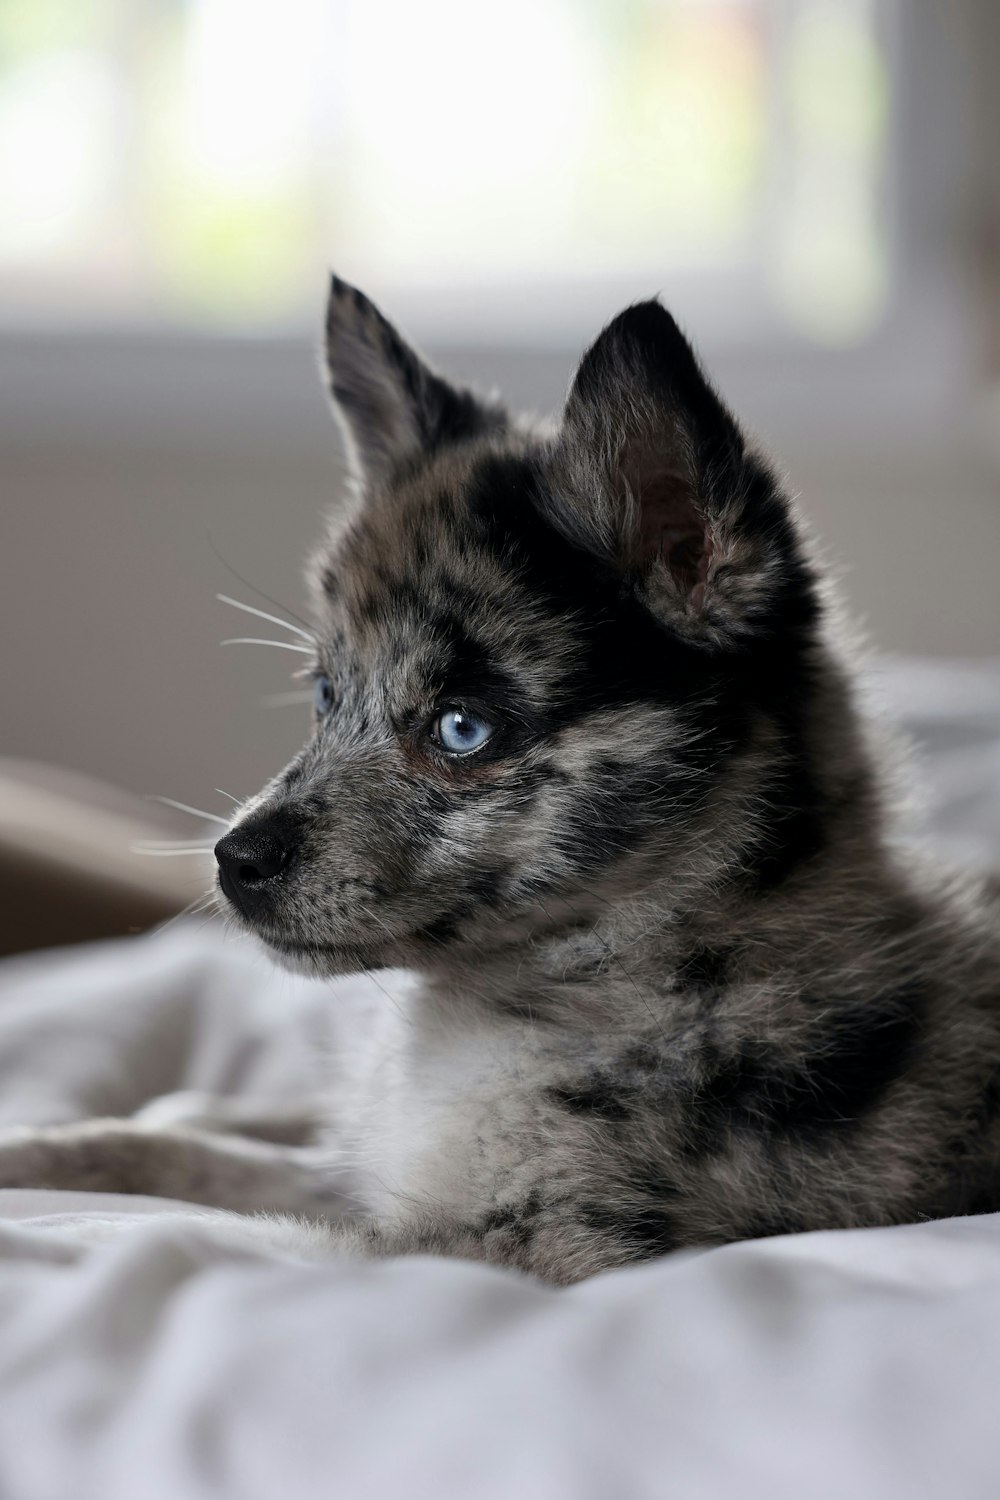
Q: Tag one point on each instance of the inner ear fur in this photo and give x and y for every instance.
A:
(653, 456)
(671, 530)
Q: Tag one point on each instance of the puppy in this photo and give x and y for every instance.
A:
(586, 759)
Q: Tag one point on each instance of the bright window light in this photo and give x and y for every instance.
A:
(204, 161)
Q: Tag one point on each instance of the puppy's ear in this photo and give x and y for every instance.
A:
(392, 407)
(654, 471)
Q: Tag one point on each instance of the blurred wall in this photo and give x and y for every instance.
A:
(130, 466)
(130, 469)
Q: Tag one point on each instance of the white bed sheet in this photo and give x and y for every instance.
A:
(163, 1365)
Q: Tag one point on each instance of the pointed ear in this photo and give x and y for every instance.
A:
(391, 405)
(658, 474)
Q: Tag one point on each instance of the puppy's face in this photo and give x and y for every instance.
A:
(535, 659)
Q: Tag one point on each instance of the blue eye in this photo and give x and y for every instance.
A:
(460, 733)
(322, 695)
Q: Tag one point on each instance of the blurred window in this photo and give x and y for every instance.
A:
(202, 161)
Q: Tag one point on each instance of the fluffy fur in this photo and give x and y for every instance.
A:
(675, 984)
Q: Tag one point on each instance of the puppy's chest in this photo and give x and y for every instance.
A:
(443, 1118)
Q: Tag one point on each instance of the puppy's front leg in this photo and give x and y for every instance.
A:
(123, 1156)
(251, 1176)
(548, 1243)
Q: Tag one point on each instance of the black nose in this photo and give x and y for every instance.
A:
(249, 860)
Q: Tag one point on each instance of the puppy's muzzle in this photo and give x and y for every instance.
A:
(252, 859)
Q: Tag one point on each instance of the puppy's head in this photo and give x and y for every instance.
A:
(549, 671)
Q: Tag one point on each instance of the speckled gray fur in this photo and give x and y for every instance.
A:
(676, 985)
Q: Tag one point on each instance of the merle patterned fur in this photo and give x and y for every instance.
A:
(676, 985)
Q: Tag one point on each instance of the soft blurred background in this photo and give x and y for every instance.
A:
(812, 185)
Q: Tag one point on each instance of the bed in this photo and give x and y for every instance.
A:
(163, 1364)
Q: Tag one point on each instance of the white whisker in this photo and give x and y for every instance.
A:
(158, 851)
(196, 812)
(392, 999)
(223, 793)
(263, 615)
(256, 640)
(167, 844)
(197, 907)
